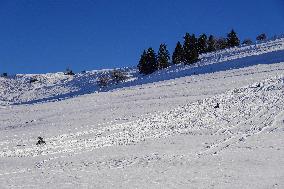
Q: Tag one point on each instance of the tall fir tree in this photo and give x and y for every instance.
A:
(202, 45)
(232, 39)
(163, 59)
(148, 62)
(178, 54)
(211, 44)
(194, 51)
(142, 66)
(190, 49)
(186, 48)
(151, 60)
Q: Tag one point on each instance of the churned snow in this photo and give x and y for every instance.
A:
(157, 131)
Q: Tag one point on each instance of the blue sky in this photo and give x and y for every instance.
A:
(39, 36)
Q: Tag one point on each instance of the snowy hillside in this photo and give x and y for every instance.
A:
(52, 87)
(165, 130)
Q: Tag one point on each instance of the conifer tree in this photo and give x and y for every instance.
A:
(194, 51)
(202, 44)
(190, 49)
(151, 60)
(186, 48)
(163, 59)
(148, 62)
(142, 66)
(178, 54)
(221, 43)
(211, 44)
(232, 39)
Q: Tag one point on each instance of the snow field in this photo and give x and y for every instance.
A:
(162, 132)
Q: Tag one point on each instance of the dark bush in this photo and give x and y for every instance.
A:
(118, 76)
(103, 80)
(69, 72)
(32, 80)
(261, 37)
(5, 75)
(247, 42)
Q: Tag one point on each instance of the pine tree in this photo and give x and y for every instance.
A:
(202, 45)
(190, 49)
(178, 54)
(221, 43)
(163, 59)
(187, 48)
(211, 44)
(232, 39)
(151, 60)
(194, 51)
(148, 62)
(142, 66)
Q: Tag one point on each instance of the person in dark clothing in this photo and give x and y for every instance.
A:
(217, 105)
(40, 141)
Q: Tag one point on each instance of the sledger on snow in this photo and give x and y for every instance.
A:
(217, 106)
(40, 141)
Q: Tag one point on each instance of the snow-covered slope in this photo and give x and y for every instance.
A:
(52, 87)
(158, 131)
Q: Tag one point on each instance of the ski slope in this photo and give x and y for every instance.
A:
(157, 131)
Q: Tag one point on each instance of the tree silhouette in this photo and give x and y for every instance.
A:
(178, 54)
(142, 65)
(163, 58)
(232, 39)
(202, 45)
(148, 62)
(190, 49)
(211, 44)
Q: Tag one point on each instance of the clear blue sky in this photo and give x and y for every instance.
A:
(39, 36)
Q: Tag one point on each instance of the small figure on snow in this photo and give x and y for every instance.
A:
(217, 106)
(40, 141)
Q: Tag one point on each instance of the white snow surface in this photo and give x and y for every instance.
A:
(157, 131)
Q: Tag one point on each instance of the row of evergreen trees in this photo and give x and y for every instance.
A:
(150, 62)
(186, 53)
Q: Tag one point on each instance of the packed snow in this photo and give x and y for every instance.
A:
(216, 124)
